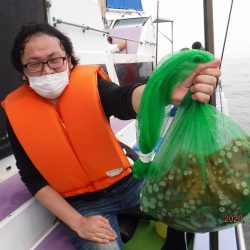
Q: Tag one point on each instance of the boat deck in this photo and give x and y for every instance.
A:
(13, 193)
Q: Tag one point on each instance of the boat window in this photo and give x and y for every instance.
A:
(129, 73)
(135, 22)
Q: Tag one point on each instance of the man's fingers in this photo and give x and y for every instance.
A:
(106, 227)
(108, 230)
(214, 64)
(201, 97)
(206, 73)
(205, 79)
(202, 88)
(100, 239)
(212, 72)
(103, 235)
(103, 219)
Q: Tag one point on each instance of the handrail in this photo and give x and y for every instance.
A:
(84, 27)
(240, 237)
(127, 39)
(132, 40)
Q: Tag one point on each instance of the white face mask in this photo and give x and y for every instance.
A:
(49, 86)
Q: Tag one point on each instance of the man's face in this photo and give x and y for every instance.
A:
(41, 48)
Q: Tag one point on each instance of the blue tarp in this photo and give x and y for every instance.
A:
(124, 4)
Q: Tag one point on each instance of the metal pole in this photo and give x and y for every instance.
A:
(83, 27)
(172, 36)
(214, 240)
(240, 237)
(157, 31)
(209, 46)
(209, 33)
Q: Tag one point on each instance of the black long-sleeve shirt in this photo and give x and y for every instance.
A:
(116, 101)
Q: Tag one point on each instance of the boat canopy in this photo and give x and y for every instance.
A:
(125, 4)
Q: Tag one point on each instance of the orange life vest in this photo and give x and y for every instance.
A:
(71, 144)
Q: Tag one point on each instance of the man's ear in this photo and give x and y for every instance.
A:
(70, 63)
(24, 77)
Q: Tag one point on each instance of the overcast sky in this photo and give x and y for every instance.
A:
(188, 24)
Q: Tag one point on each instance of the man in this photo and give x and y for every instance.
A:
(65, 150)
(116, 47)
(197, 45)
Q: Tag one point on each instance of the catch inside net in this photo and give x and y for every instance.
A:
(199, 178)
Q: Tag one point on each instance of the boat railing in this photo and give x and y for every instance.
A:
(133, 40)
(82, 26)
(105, 32)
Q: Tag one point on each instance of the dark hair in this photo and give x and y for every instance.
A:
(28, 31)
(197, 45)
(183, 49)
(110, 39)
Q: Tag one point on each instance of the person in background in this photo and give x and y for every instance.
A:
(65, 150)
(183, 49)
(116, 47)
(197, 45)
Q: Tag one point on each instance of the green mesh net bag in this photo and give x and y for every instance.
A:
(199, 179)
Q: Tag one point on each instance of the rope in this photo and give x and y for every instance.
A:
(223, 49)
(228, 22)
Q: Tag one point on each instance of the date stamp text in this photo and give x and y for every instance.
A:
(231, 218)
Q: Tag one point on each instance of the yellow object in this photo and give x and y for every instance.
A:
(161, 229)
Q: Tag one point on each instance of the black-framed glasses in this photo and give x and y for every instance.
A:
(53, 63)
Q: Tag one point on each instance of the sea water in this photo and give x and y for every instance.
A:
(236, 86)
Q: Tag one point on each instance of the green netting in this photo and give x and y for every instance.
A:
(199, 180)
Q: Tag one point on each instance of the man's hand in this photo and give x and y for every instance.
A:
(96, 228)
(201, 83)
